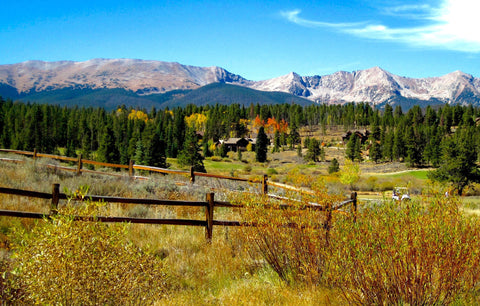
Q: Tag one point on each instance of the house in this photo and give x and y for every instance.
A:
(234, 144)
(362, 135)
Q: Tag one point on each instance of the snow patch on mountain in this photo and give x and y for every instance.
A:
(145, 77)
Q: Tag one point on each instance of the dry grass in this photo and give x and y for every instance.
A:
(198, 273)
(224, 272)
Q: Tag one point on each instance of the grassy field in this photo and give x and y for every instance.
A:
(198, 273)
(225, 271)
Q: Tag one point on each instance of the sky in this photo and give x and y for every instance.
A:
(256, 39)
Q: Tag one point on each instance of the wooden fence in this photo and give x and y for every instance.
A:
(209, 205)
(131, 168)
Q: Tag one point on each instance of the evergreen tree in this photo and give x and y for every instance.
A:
(299, 150)
(190, 155)
(276, 142)
(414, 143)
(139, 153)
(206, 149)
(375, 151)
(354, 150)
(433, 150)
(261, 146)
(398, 150)
(358, 150)
(107, 151)
(459, 157)
(70, 149)
(294, 137)
(155, 151)
(334, 166)
(387, 147)
(314, 150)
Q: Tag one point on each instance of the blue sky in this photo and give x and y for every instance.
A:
(255, 39)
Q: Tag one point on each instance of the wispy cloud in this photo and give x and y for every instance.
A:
(293, 16)
(453, 25)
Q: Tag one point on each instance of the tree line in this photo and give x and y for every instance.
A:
(419, 137)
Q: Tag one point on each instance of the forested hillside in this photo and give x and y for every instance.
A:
(416, 137)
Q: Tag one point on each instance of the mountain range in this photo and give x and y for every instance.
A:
(111, 82)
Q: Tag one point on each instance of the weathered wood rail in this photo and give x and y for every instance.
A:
(263, 182)
(209, 204)
(131, 167)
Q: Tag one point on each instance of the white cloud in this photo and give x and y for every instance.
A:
(293, 16)
(453, 25)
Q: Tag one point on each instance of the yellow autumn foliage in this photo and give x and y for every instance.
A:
(196, 121)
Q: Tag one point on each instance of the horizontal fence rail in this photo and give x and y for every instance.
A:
(209, 205)
(131, 168)
(264, 182)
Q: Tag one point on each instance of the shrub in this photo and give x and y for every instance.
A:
(62, 261)
(293, 241)
(413, 254)
(334, 166)
(271, 171)
(11, 291)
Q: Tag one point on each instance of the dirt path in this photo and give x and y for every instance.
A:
(398, 172)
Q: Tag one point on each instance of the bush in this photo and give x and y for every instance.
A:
(413, 254)
(62, 261)
(11, 287)
(271, 171)
(293, 241)
(334, 166)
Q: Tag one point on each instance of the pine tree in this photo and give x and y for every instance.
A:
(375, 151)
(294, 137)
(155, 151)
(313, 151)
(107, 151)
(261, 146)
(459, 158)
(189, 155)
(387, 148)
(334, 166)
(398, 149)
(354, 151)
(276, 142)
(139, 153)
(358, 150)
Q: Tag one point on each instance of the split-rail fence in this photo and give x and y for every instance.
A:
(209, 204)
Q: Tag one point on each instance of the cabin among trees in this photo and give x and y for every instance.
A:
(363, 136)
(235, 144)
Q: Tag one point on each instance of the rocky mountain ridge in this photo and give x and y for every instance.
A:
(144, 77)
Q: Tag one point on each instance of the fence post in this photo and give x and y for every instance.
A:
(130, 168)
(209, 216)
(192, 176)
(265, 184)
(55, 199)
(34, 153)
(79, 164)
(353, 197)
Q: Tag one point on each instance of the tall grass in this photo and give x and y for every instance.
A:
(421, 252)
